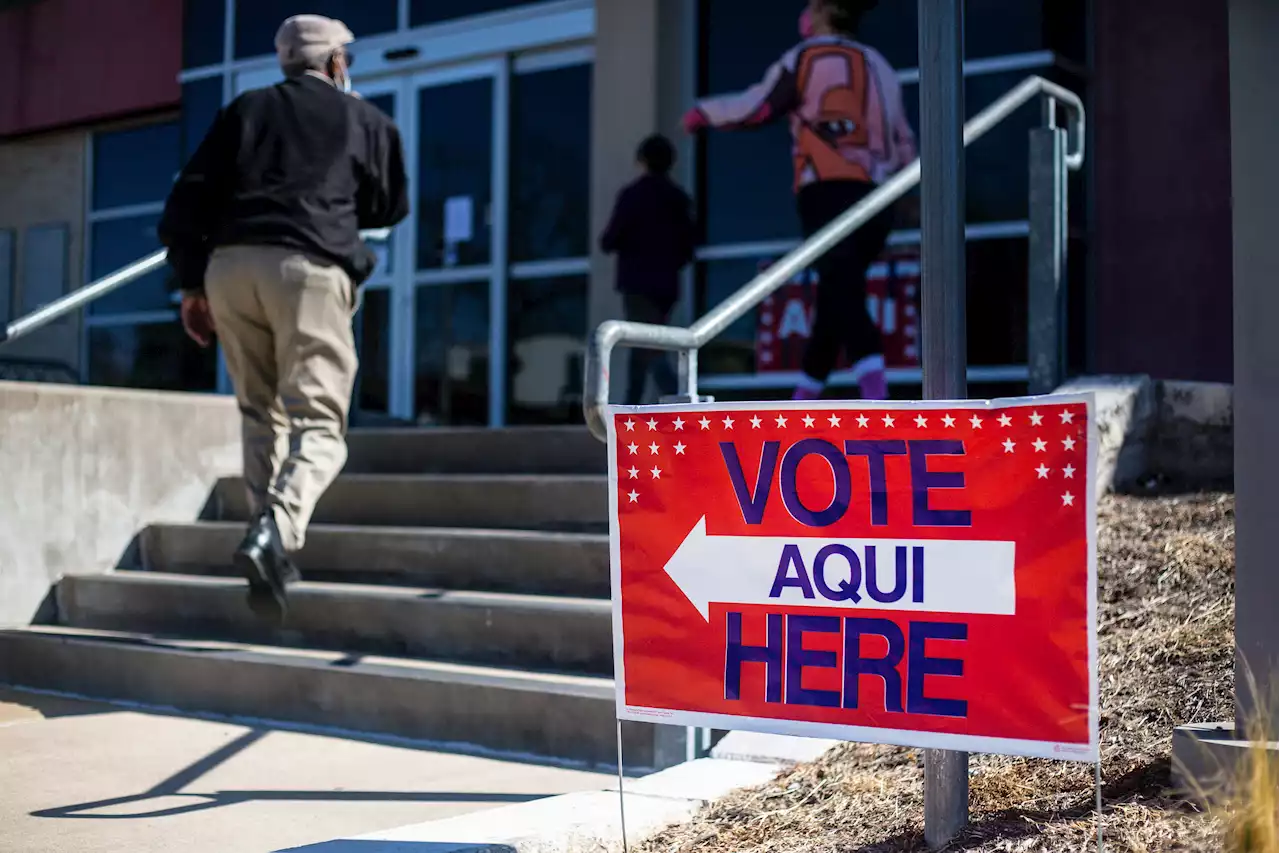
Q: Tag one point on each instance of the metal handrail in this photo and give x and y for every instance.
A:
(77, 299)
(689, 340)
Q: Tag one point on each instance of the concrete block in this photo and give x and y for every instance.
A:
(1126, 414)
(1194, 438)
(518, 501)
(513, 450)
(532, 562)
(704, 779)
(495, 629)
(86, 468)
(1207, 758)
(774, 749)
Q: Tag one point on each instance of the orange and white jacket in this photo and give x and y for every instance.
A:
(844, 103)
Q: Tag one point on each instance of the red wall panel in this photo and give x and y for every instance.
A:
(63, 62)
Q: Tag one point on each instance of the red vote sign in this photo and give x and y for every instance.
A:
(919, 574)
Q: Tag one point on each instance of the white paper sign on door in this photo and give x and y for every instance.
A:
(459, 213)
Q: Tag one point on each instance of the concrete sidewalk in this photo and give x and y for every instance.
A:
(85, 776)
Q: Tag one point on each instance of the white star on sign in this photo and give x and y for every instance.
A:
(705, 423)
(1068, 444)
(1069, 472)
(834, 421)
(1066, 417)
(887, 420)
(976, 421)
(633, 448)
(1043, 472)
(679, 424)
(1005, 421)
(1036, 418)
(653, 424)
(653, 448)
(948, 421)
(808, 421)
(728, 422)
(781, 421)
(922, 421)
(1040, 444)
(863, 420)
(634, 472)
(679, 448)
(656, 472)
(634, 495)
(631, 426)
(1009, 445)
(755, 422)
(1068, 499)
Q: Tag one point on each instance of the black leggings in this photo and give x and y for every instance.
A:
(841, 317)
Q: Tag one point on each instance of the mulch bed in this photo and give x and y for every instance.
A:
(1166, 621)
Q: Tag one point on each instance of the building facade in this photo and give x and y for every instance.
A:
(520, 122)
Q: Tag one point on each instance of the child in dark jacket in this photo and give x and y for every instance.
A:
(652, 233)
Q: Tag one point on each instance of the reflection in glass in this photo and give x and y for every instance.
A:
(116, 243)
(373, 343)
(455, 164)
(546, 328)
(155, 355)
(135, 166)
(550, 163)
(433, 11)
(451, 371)
(257, 20)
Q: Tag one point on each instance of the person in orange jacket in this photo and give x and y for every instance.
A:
(849, 134)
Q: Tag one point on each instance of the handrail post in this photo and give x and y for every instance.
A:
(1046, 258)
(943, 333)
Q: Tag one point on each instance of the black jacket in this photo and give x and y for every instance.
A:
(300, 165)
(652, 232)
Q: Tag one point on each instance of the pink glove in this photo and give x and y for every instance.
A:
(695, 120)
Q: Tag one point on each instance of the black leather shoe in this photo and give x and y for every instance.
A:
(262, 560)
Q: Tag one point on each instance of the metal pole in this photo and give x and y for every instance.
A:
(1046, 258)
(946, 774)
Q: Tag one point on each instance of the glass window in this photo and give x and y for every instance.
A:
(451, 371)
(748, 186)
(7, 251)
(201, 100)
(135, 166)
(258, 20)
(546, 327)
(733, 351)
(434, 11)
(550, 164)
(455, 170)
(153, 355)
(373, 343)
(116, 243)
(203, 31)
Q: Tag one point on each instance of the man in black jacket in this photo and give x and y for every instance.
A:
(262, 229)
(652, 232)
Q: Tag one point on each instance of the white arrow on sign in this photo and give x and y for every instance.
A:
(958, 576)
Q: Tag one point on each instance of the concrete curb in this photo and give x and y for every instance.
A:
(573, 823)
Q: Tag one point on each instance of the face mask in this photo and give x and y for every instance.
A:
(346, 83)
(806, 24)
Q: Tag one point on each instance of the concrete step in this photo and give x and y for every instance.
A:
(513, 450)
(559, 716)
(516, 501)
(493, 629)
(532, 562)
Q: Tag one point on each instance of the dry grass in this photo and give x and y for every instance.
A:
(1165, 654)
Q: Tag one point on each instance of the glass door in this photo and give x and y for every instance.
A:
(457, 148)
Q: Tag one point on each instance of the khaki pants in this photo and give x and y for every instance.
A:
(284, 321)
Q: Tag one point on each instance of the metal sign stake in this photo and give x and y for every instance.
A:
(944, 359)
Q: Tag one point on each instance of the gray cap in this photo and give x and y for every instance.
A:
(310, 39)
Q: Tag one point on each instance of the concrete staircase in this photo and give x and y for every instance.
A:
(456, 590)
